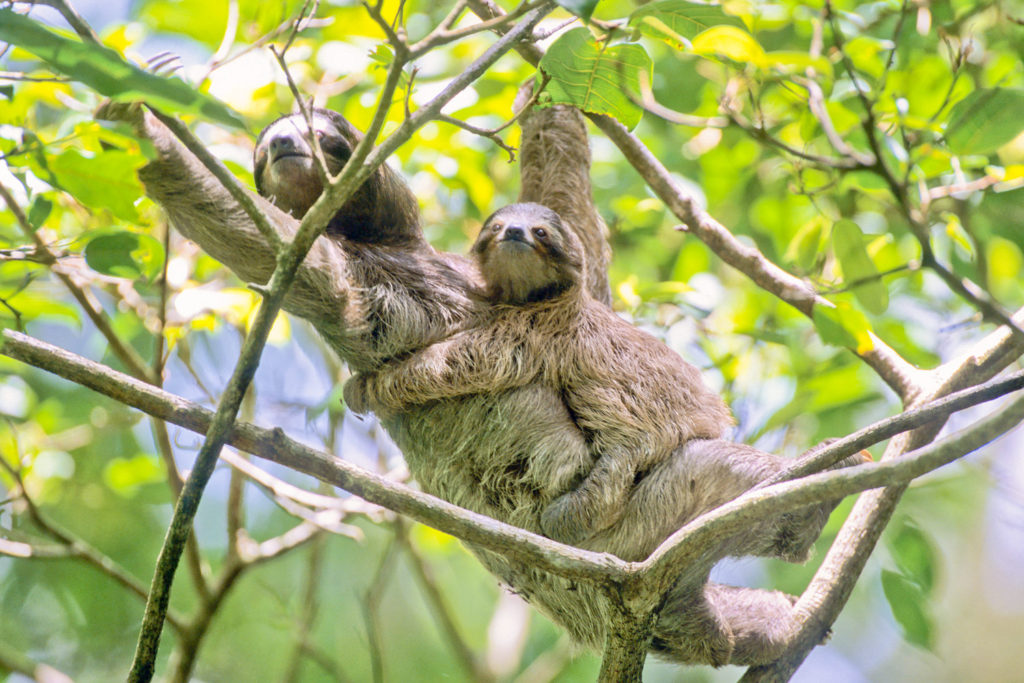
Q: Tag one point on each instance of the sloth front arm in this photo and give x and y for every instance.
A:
(199, 206)
(467, 363)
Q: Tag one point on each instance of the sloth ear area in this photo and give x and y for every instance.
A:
(487, 233)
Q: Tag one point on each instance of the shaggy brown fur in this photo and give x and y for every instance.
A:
(382, 210)
(647, 422)
(633, 398)
(375, 298)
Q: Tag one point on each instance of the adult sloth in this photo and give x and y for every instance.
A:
(376, 291)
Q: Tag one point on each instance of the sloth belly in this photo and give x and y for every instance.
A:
(507, 456)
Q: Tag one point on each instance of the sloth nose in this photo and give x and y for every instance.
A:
(514, 232)
(283, 144)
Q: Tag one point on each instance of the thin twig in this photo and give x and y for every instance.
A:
(77, 548)
(74, 19)
(126, 354)
(371, 604)
(491, 135)
(439, 607)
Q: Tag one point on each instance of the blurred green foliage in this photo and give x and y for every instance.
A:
(932, 91)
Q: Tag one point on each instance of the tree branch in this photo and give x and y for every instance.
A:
(273, 445)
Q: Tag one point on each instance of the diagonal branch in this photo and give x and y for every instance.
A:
(710, 529)
(273, 445)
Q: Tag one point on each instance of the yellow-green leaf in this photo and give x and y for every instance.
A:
(859, 270)
(678, 22)
(731, 42)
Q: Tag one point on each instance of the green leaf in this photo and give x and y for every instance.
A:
(915, 556)
(581, 8)
(106, 72)
(678, 22)
(125, 254)
(985, 120)
(843, 325)
(805, 247)
(39, 211)
(908, 607)
(848, 246)
(35, 305)
(105, 180)
(732, 43)
(596, 77)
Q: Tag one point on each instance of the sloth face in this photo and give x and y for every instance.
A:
(526, 254)
(284, 168)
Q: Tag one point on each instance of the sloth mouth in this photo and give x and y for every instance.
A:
(515, 239)
(289, 155)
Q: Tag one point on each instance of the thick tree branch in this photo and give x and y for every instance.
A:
(938, 409)
(273, 445)
(712, 528)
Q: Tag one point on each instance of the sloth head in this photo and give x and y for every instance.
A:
(526, 254)
(382, 209)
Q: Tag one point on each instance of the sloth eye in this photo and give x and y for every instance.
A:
(540, 232)
(496, 226)
(320, 135)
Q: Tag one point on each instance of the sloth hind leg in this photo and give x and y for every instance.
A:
(721, 470)
(718, 624)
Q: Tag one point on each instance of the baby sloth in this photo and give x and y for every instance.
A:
(634, 399)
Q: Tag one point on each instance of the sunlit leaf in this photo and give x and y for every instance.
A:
(791, 61)
(126, 475)
(908, 607)
(985, 120)
(843, 325)
(125, 254)
(848, 245)
(678, 22)
(108, 73)
(731, 42)
(1005, 264)
(596, 77)
(106, 180)
(34, 305)
(805, 247)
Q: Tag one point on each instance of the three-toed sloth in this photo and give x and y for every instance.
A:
(578, 464)
(643, 424)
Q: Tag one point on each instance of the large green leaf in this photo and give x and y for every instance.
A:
(908, 607)
(106, 180)
(985, 120)
(106, 72)
(678, 22)
(848, 245)
(125, 254)
(596, 77)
